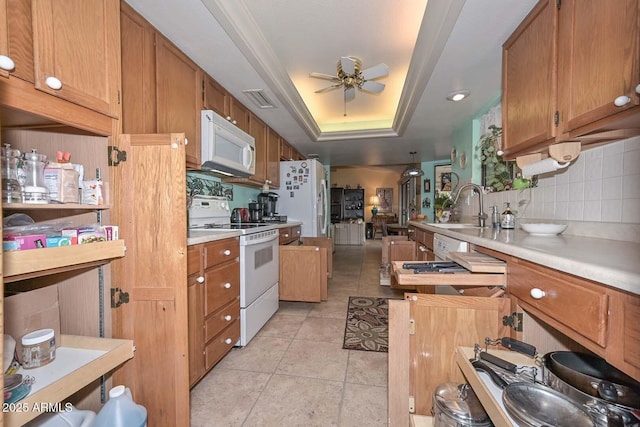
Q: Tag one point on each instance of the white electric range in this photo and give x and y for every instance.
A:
(259, 266)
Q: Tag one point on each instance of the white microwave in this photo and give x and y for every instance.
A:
(226, 149)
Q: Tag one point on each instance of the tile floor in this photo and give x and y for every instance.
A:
(295, 372)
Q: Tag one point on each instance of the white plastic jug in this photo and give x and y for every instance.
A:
(121, 411)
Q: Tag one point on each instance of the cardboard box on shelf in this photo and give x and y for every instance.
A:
(29, 311)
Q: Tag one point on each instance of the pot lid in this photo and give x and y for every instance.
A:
(459, 402)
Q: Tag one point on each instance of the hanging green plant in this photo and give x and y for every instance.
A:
(497, 175)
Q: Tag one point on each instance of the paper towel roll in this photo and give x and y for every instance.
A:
(542, 166)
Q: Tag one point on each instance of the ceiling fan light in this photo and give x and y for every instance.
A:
(458, 95)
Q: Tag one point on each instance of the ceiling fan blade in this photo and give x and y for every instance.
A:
(375, 72)
(349, 94)
(324, 76)
(348, 65)
(329, 88)
(372, 87)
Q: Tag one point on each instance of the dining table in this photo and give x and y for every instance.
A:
(397, 229)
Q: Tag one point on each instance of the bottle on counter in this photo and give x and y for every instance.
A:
(508, 218)
(495, 217)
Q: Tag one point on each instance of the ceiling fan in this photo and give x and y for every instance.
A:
(350, 76)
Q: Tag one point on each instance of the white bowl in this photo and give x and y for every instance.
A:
(543, 229)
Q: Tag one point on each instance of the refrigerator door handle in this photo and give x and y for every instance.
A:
(323, 209)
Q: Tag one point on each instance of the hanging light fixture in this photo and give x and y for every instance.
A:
(413, 170)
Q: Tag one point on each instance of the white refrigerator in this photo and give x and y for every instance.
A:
(303, 195)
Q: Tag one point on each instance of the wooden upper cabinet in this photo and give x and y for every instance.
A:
(528, 80)
(598, 62)
(138, 73)
(285, 150)
(76, 51)
(239, 114)
(258, 129)
(179, 96)
(273, 158)
(216, 97)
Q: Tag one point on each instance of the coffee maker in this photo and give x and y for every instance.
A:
(256, 212)
(268, 201)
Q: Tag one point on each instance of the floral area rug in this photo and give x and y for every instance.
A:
(367, 324)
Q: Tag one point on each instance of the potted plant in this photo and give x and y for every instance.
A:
(496, 174)
(441, 201)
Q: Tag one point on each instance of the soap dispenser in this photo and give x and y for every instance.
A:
(495, 217)
(508, 218)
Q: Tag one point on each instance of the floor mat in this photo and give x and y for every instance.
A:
(367, 324)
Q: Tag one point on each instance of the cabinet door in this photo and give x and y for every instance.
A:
(179, 88)
(138, 73)
(422, 359)
(598, 60)
(258, 130)
(196, 329)
(285, 150)
(273, 158)
(77, 43)
(239, 114)
(528, 81)
(154, 274)
(215, 97)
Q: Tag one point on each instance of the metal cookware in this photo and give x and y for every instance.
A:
(456, 405)
(240, 215)
(535, 405)
(594, 376)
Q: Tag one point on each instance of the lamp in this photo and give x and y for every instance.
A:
(412, 170)
(375, 201)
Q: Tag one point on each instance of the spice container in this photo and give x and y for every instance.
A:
(38, 348)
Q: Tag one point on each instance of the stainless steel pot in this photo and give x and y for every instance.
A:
(594, 376)
(534, 405)
(456, 405)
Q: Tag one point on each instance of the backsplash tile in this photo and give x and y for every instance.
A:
(600, 190)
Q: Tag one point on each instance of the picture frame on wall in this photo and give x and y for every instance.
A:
(443, 178)
(427, 185)
(386, 199)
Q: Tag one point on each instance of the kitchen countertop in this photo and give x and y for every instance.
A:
(610, 262)
(195, 237)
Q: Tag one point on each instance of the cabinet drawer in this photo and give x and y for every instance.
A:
(423, 237)
(194, 254)
(573, 302)
(221, 319)
(220, 251)
(482, 270)
(222, 285)
(221, 344)
(285, 236)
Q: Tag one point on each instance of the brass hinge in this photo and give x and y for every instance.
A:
(412, 327)
(118, 297)
(412, 404)
(115, 156)
(118, 96)
(203, 90)
(556, 118)
(514, 321)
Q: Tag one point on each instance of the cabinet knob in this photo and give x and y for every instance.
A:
(297, 231)
(228, 341)
(7, 63)
(186, 141)
(234, 122)
(227, 252)
(537, 293)
(422, 249)
(638, 89)
(621, 101)
(286, 235)
(410, 230)
(53, 83)
(228, 118)
(227, 318)
(200, 279)
(227, 285)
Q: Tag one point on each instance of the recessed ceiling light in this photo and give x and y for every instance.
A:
(458, 95)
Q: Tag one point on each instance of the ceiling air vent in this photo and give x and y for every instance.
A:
(313, 156)
(259, 98)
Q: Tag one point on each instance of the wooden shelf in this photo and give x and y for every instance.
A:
(79, 361)
(20, 265)
(489, 394)
(421, 421)
(52, 206)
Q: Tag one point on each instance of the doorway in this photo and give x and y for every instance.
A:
(408, 198)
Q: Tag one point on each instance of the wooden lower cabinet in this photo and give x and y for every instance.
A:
(305, 266)
(214, 303)
(424, 332)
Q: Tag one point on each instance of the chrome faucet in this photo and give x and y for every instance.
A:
(482, 217)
